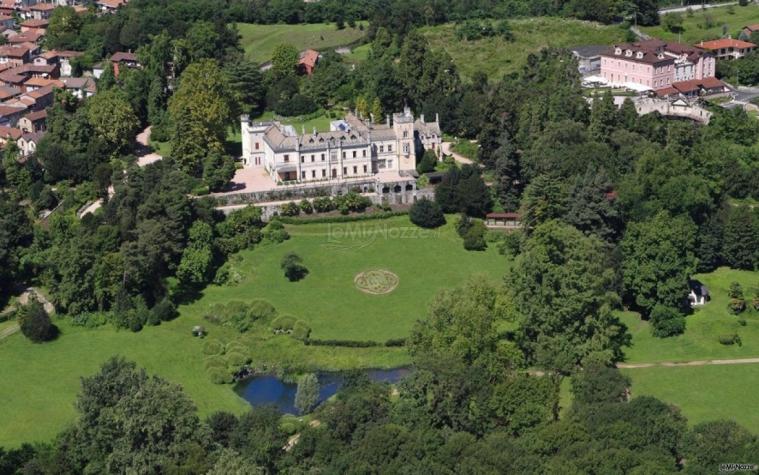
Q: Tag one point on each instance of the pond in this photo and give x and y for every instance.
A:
(269, 390)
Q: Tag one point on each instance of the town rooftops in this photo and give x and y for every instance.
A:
(36, 115)
(25, 37)
(122, 56)
(35, 23)
(10, 132)
(42, 7)
(6, 92)
(14, 51)
(42, 82)
(725, 43)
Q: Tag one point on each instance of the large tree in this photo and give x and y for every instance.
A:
(112, 119)
(658, 260)
(561, 291)
(200, 110)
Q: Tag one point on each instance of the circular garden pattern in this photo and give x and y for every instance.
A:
(376, 282)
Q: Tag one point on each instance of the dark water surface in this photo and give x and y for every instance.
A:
(268, 390)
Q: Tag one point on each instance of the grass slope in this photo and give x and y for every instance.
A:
(327, 300)
(259, 41)
(695, 27)
(497, 57)
(704, 393)
(702, 327)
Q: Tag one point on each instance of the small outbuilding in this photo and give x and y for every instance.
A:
(503, 221)
(698, 294)
(198, 331)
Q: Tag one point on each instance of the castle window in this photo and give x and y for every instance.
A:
(354, 154)
(382, 148)
(303, 174)
(312, 159)
(313, 173)
(364, 168)
(324, 173)
(257, 145)
(405, 134)
(343, 154)
(364, 153)
(405, 148)
(287, 158)
(389, 148)
(302, 159)
(322, 157)
(345, 170)
(355, 170)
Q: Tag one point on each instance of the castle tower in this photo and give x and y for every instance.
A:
(252, 136)
(403, 125)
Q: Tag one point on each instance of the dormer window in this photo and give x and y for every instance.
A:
(628, 53)
(618, 51)
(639, 55)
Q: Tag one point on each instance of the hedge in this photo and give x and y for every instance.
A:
(355, 343)
(343, 218)
(213, 347)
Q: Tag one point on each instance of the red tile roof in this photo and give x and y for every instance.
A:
(502, 216)
(309, 58)
(10, 133)
(725, 43)
(693, 85)
(122, 56)
(36, 23)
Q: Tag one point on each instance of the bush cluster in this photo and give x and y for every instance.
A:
(473, 232)
(275, 231)
(666, 321)
(241, 316)
(292, 265)
(425, 213)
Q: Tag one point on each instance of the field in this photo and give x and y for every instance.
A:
(327, 299)
(703, 327)
(41, 381)
(696, 27)
(259, 41)
(497, 57)
(704, 393)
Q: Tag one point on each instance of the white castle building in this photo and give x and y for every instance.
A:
(353, 148)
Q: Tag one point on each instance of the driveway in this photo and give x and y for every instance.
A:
(447, 148)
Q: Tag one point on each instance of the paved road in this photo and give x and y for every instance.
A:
(448, 150)
(663, 11)
(675, 364)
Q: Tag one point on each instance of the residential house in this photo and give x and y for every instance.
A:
(747, 30)
(60, 58)
(694, 88)
(81, 88)
(9, 92)
(40, 98)
(9, 115)
(121, 59)
(15, 55)
(35, 26)
(39, 11)
(27, 143)
(36, 82)
(35, 121)
(31, 37)
(8, 134)
(110, 6)
(307, 61)
(655, 64)
(727, 48)
(7, 21)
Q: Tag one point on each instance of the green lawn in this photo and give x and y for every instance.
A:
(497, 57)
(328, 301)
(703, 327)
(259, 41)
(41, 380)
(358, 54)
(704, 393)
(696, 27)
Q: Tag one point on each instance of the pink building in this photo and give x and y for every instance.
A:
(655, 64)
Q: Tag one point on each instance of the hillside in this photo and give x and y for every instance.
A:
(497, 57)
(259, 41)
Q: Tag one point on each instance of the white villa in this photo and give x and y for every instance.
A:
(354, 148)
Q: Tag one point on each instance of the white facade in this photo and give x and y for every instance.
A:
(353, 148)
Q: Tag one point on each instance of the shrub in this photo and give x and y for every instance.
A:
(666, 321)
(306, 207)
(227, 275)
(463, 224)
(474, 239)
(290, 209)
(165, 310)
(213, 347)
(426, 213)
(742, 322)
(261, 310)
(323, 204)
(736, 306)
(275, 231)
(292, 266)
(730, 339)
(283, 324)
(301, 331)
(735, 291)
(215, 362)
(89, 320)
(352, 201)
(220, 376)
(35, 322)
(511, 244)
(236, 359)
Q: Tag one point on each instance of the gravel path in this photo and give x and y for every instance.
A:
(675, 364)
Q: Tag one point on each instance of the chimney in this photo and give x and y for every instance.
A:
(437, 117)
(387, 117)
(314, 130)
(422, 118)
